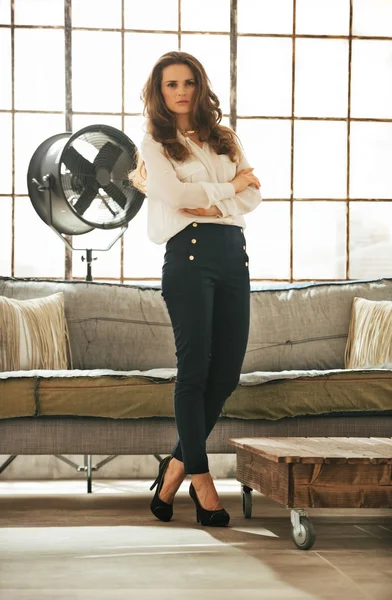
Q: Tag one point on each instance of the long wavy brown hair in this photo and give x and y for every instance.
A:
(206, 116)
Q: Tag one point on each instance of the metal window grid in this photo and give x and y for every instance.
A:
(233, 116)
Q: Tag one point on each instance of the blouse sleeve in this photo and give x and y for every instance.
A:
(244, 202)
(163, 183)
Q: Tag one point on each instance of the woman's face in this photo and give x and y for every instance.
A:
(178, 87)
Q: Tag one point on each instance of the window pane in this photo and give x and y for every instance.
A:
(321, 78)
(154, 14)
(147, 48)
(39, 12)
(38, 250)
(193, 17)
(267, 146)
(142, 258)
(268, 241)
(213, 51)
(5, 68)
(90, 13)
(97, 71)
(134, 129)
(371, 91)
(370, 240)
(107, 263)
(5, 236)
(5, 12)
(372, 17)
(40, 128)
(371, 159)
(6, 153)
(80, 121)
(39, 69)
(267, 90)
(320, 159)
(265, 16)
(329, 17)
(319, 240)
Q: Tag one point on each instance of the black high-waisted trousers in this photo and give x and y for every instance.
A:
(205, 284)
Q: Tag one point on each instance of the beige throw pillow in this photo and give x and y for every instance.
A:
(369, 342)
(33, 333)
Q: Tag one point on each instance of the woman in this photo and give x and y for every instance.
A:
(199, 184)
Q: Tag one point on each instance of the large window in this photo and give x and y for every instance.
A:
(307, 84)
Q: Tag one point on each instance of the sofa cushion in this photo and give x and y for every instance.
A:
(369, 342)
(33, 333)
(138, 394)
(125, 327)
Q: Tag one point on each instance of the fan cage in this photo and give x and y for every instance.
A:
(82, 190)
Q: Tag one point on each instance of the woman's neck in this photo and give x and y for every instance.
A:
(183, 124)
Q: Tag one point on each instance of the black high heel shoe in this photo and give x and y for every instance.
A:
(160, 509)
(212, 518)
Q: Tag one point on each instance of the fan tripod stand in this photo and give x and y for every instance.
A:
(87, 466)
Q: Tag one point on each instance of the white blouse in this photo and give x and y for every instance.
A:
(201, 181)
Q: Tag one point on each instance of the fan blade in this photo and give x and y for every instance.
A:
(114, 192)
(107, 156)
(77, 164)
(85, 200)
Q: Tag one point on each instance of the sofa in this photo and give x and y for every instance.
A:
(117, 397)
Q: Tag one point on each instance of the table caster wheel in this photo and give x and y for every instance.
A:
(305, 537)
(247, 501)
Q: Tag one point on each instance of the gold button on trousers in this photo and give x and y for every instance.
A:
(206, 289)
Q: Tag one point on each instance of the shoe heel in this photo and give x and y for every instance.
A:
(162, 468)
(161, 510)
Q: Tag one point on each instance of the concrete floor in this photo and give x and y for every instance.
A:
(58, 543)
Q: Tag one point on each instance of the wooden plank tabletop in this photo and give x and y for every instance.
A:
(319, 450)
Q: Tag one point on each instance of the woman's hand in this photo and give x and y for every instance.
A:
(243, 179)
(213, 211)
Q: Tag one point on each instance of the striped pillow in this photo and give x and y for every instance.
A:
(33, 333)
(369, 342)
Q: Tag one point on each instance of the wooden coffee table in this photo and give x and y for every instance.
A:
(315, 473)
